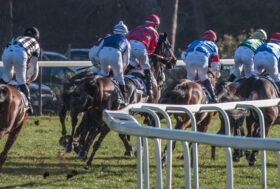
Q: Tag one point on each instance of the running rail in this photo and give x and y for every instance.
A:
(71, 63)
(124, 123)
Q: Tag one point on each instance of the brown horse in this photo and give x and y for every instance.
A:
(258, 88)
(12, 118)
(182, 92)
(253, 88)
(102, 93)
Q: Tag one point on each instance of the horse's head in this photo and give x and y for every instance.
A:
(163, 58)
(225, 91)
(82, 96)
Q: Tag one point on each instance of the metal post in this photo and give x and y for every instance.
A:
(40, 85)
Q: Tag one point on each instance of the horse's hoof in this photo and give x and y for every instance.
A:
(76, 148)
(68, 148)
(251, 163)
(129, 153)
(247, 153)
(82, 154)
(62, 141)
(86, 167)
(235, 159)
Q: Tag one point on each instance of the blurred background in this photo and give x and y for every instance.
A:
(68, 28)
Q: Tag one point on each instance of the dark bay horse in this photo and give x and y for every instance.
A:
(185, 91)
(253, 88)
(67, 92)
(95, 94)
(12, 117)
(258, 88)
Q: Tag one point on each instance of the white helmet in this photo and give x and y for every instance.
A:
(120, 28)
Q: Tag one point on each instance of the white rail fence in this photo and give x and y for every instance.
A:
(122, 122)
(88, 63)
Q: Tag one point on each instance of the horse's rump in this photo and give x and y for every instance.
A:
(183, 91)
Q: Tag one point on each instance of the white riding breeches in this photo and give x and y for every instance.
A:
(243, 59)
(111, 57)
(196, 64)
(93, 57)
(264, 60)
(15, 60)
(139, 54)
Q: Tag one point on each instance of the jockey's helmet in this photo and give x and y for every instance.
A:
(120, 28)
(32, 32)
(153, 20)
(260, 34)
(209, 35)
(275, 37)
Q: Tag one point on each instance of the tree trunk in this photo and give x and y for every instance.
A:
(6, 22)
(199, 17)
(168, 16)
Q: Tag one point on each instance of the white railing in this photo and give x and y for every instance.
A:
(124, 123)
(88, 63)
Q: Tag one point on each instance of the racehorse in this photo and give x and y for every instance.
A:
(68, 89)
(258, 88)
(185, 91)
(101, 93)
(253, 88)
(12, 118)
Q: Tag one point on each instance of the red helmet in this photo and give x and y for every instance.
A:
(209, 35)
(275, 37)
(153, 19)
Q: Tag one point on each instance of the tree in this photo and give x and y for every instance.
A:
(6, 22)
(168, 16)
(199, 16)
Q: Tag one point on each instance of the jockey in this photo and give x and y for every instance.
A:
(244, 54)
(21, 55)
(114, 52)
(197, 55)
(267, 57)
(143, 40)
(93, 56)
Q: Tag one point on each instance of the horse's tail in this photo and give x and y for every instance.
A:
(3, 93)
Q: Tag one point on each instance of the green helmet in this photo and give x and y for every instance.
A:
(260, 34)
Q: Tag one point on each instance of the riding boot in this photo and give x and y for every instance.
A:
(210, 88)
(26, 92)
(2, 81)
(148, 82)
(122, 88)
(122, 99)
(128, 69)
(231, 78)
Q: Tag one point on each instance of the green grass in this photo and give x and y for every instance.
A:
(37, 151)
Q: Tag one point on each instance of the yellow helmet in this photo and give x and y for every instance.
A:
(260, 34)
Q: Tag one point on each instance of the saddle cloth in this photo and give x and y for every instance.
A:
(23, 97)
(205, 91)
(139, 83)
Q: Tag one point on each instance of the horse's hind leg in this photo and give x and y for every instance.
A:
(104, 131)
(10, 141)
(128, 146)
